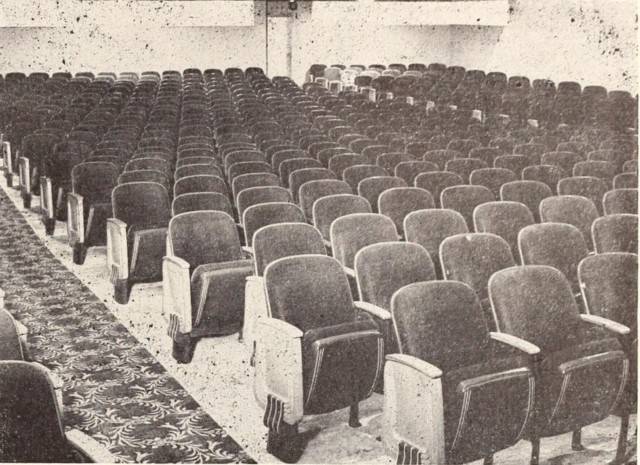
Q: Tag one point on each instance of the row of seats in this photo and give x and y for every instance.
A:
(492, 93)
(270, 154)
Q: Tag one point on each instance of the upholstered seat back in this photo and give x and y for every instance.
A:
(609, 284)
(10, 346)
(559, 245)
(199, 183)
(571, 209)
(263, 214)
(141, 203)
(504, 219)
(31, 431)
(615, 233)
(536, 303)
(94, 181)
(371, 188)
(297, 178)
(529, 193)
(311, 191)
(280, 240)
(383, 268)
(309, 292)
(448, 312)
(257, 195)
(196, 201)
(352, 232)
(473, 258)
(464, 199)
(398, 202)
(621, 201)
(436, 181)
(202, 237)
(194, 170)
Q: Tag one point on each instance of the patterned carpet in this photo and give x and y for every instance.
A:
(114, 390)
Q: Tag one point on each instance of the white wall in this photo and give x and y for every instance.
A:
(593, 42)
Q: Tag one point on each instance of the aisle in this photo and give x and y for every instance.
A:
(114, 389)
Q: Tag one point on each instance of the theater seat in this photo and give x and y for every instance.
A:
(583, 368)
(381, 269)
(270, 243)
(456, 392)
(472, 259)
(136, 235)
(204, 276)
(89, 206)
(570, 209)
(609, 284)
(314, 354)
(328, 208)
(32, 421)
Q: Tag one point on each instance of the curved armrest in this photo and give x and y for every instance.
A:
(373, 310)
(516, 342)
(1, 299)
(327, 244)
(607, 324)
(248, 251)
(176, 290)
(75, 218)
(413, 408)
(278, 364)
(117, 251)
(424, 368)
(89, 447)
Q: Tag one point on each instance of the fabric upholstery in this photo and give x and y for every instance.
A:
(329, 208)
(202, 237)
(371, 188)
(571, 209)
(585, 186)
(285, 239)
(621, 201)
(256, 195)
(199, 183)
(352, 232)
(615, 233)
(504, 219)
(311, 191)
(141, 203)
(297, 178)
(436, 181)
(309, 292)
(559, 245)
(196, 201)
(354, 174)
(398, 202)
(529, 193)
(492, 179)
(464, 199)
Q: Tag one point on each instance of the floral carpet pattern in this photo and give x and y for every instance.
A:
(114, 390)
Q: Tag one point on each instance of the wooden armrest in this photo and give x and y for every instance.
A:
(609, 325)
(1, 299)
(350, 272)
(278, 364)
(421, 366)
(89, 447)
(117, 251)
(516, 342)
(372, 309)
(176, 290)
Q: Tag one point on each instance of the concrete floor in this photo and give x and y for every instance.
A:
(220, 379)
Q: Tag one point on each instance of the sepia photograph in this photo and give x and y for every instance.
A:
(367, 232)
